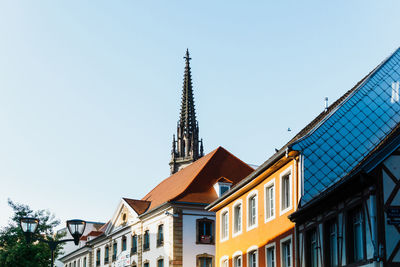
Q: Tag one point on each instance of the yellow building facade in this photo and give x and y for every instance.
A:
(252, 225)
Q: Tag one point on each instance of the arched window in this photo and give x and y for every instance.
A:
(134, 244)
(98, 257)
(160, 235)
(123, 243)
(204, 260)
(106, 254)
(114, 256)
(146, 240)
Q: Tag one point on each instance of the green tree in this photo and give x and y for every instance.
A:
(15, 251)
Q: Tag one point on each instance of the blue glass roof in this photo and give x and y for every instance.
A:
(352, 130)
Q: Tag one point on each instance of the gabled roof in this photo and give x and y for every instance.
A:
(302, 134)
(224, 180)
(140, 206)
(333, 148)
(195, 182)
(384, 149)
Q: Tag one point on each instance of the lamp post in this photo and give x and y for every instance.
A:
(29, 226)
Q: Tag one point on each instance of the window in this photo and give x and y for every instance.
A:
(160, 235)
(74, 263)
(134, 244)
(114, 256)
(331, 244)
(106, 254)
(286, 252)
(225, 263)
(355, 238)
(269, 199)
(146, 240)
(98, 257)
(205, 262)
(252, 211)
(252, 256)
(224, 225)
(84, 262)
(237, 261)
(286, 202)
(123, 243)
(160, 263)
(311, 248)
(223, 189)
(205, 229)
(237, 218)
(146, 264)
(270, 254)
(79, 263)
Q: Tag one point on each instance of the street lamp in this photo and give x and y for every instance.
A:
(29, 226)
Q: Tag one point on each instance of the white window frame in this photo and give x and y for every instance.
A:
(238, 202)
(235, 255)
(266, 186)
(222, 260)
(250, 249)
(285, 173)
(273, 244)
(250, 195)
(221, 238)
(283, 240)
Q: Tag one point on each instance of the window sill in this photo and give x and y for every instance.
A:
(252, 227)
(285, 210)
(203, 243)
(237, 233)
(269, 219)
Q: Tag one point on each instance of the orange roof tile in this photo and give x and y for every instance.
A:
(104, 227)
(140, 206)
(224, 180)
(195, 182)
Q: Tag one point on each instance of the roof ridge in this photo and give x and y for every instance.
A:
(213, 153)
(194, 164)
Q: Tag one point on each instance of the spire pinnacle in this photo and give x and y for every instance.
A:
(186, 148)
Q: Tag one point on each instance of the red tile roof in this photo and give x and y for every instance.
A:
(195, 182)
(140, 206)
(224, 180)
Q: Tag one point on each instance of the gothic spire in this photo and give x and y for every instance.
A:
(188, 113)
(187, 148)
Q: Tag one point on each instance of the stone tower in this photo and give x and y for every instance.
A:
(186, 147)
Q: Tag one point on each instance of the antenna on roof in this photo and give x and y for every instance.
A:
(326, 104)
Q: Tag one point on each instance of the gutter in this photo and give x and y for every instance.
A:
(271, 161)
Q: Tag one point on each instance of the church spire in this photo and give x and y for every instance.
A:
(186, 149)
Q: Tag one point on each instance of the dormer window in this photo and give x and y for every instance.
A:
(223, 189)
(222, 186)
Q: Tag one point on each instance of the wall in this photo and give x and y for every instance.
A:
(266, 232)
(190, 248)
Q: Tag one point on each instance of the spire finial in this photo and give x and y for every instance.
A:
(187, 57)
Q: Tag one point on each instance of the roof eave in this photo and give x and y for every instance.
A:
(267, 164)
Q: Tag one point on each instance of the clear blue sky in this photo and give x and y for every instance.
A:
(90, 90)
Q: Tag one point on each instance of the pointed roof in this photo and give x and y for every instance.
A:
(139, 206)
(195, 182)
(188, 113)
(317, 122)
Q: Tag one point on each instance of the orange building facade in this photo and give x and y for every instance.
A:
(252, 225)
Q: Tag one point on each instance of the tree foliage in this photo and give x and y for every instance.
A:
(15, 251)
